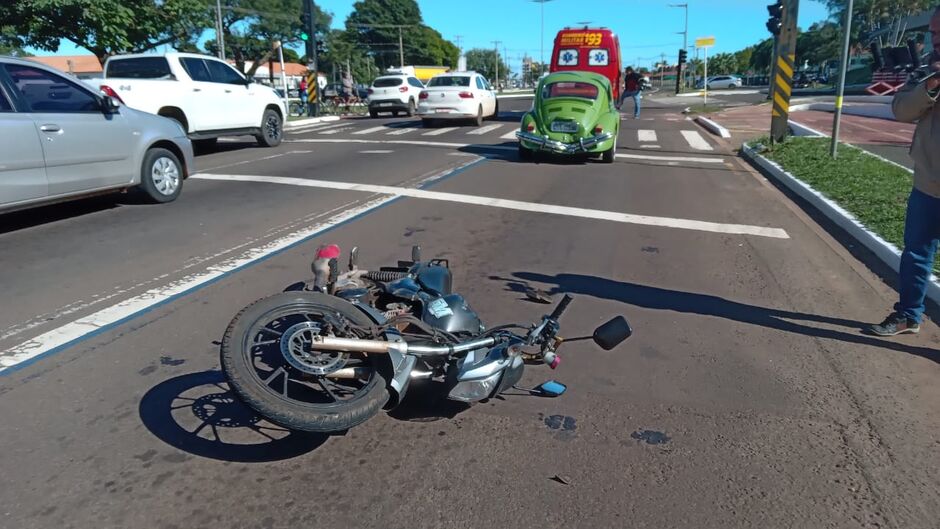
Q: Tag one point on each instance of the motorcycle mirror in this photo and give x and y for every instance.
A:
(551, 389)
(354, 258)
(612, 333)
(416, 254)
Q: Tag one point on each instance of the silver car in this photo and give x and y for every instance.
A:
(62, 140)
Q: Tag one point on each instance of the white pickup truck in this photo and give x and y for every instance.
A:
(205, 95)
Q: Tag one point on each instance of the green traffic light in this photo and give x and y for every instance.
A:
(304, 37)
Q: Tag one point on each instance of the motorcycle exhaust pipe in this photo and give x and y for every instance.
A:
(329, 343)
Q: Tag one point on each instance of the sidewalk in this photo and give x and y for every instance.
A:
(890, 139)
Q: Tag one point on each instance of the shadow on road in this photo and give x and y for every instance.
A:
(427, 401)
(707, 305)
(29, 218)
(197, 413)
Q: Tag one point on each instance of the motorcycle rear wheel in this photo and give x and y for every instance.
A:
(255, 362)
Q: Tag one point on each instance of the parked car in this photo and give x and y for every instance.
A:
(573, 114)
(61, 141)
(394, 93)
(205, 95)
(458, 95)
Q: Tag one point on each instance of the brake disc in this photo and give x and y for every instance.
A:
(296, 346)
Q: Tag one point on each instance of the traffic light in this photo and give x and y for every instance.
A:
(683, 56)
(776, 18)
(321, 49)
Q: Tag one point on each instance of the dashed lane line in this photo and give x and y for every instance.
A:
(696, 141)
(483, 130)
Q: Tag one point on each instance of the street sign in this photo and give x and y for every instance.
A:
(704, 42)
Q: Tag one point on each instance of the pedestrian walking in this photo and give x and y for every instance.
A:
(917, 102)
(632, 87)
(302, 90)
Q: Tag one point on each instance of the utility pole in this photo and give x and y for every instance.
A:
(662, 71)
(401, 48)
(496, 44)
(219, 37)
(784, 61)
(542, 37)
(840, 91)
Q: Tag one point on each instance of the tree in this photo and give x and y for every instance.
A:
(483, 61)
(421, 44)
(871, 15)
(104, 27)
(762, 56)
(251, 27)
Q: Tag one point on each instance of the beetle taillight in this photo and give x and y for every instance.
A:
(530, 127)
(466, 95)
(598, 129)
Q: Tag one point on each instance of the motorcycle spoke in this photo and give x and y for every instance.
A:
(329, 392)
(272, 331)
(274, 375)
(265, 342)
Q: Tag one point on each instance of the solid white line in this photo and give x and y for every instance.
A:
(646, 135)
(437, 132)
(484, 130)
(511, 135)
(129, 307)
(696, 141)
(377, 151)
(627, 218)
(370, 131)
(671, 158)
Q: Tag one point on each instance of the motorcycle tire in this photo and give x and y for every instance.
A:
(289, 413)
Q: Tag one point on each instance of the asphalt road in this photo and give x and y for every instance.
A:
(746, 398)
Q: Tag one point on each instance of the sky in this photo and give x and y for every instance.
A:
(647, 28)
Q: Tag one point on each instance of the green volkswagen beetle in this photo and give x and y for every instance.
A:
(573, 113)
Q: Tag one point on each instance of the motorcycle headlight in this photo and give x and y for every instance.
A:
(474, 390)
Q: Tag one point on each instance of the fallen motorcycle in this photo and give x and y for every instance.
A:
(331, 355)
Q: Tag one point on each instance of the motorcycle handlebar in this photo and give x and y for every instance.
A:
(560, 309)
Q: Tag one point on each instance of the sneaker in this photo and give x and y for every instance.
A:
(894, 325)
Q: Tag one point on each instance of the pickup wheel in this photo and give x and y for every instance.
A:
(161, 176)
(373, 114)
(272, 129)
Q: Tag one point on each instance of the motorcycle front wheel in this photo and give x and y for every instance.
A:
(267, 358)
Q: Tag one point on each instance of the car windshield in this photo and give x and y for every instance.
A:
(385, 82)
(570, 89)
(139, 68)
(450, 80)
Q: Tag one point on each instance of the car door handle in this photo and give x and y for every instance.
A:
(197, 89)
(50, 128)
(227, 91)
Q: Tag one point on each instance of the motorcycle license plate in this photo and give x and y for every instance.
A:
(564, 126)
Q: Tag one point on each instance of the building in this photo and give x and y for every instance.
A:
(81, 66)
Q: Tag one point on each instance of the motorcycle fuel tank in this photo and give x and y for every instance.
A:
(452, 314)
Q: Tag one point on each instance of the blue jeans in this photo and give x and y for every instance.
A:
(636, 95)
(921, 234)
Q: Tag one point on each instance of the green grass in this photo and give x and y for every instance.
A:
(871, 189)
(703, 109)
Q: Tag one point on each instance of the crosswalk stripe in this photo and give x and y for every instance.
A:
(370, 131)
(511, 135)
(334, 131)
(438, 132)
(696, 141)
(315, 126)
(484, 130)
(646, 135)
(403, 130)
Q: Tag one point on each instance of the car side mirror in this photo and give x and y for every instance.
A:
(108, 105)
(612, 333)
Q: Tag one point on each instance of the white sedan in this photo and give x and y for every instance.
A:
(458, 95)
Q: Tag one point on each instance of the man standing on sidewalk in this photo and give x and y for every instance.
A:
(632, 88)
(918, 102)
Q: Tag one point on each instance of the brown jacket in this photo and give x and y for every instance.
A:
(913, 103)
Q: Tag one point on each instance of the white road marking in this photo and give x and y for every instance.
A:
(696, 141)
(650, 147)
(404, 142)
(484, 130)
(317, 126)
(511, 135)
(333, 131)
(370, 131)
(670, 158)
(124, 310)
(377, 151)
(646, 135)
(627, 218)
(438, 132)
(403, 130)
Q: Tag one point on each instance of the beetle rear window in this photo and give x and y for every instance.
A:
(386, 82)
(570, 89)
(450, 80)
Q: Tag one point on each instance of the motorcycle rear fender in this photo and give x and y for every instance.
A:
(396, 367)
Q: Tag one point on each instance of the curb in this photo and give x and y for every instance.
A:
(713, 127)
(309, 121)
(884, 250)
(800, 129)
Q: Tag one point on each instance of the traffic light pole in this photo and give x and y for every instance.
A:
(843, 67)
(313, 88)
(783, 78)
